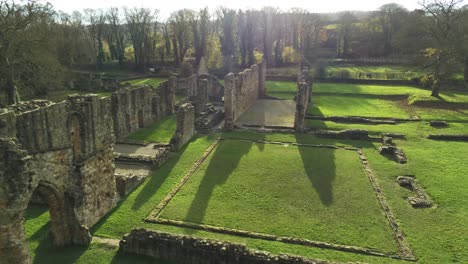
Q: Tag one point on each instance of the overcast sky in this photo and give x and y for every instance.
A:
(167, 6)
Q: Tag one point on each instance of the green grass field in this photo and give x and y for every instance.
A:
(160, 131)
(373, 72)
(148, 81)
(265, 188)
(319, 194)
(378, 101)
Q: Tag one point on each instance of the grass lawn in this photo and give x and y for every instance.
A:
(435, 234)
(329, 105)
(378, 100)
(249, 186)
(149, 81)
(42, 250)
(389, 72)
(160, 131)
(265, 188)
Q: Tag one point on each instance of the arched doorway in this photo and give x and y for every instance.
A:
(59, 220)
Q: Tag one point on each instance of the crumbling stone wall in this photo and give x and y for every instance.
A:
(188, 250)
(185, 126)
(63, 151)
(132, 109)
(138, 107)
(190, 87)
(303, 97)
(241, 91)
(187, 86)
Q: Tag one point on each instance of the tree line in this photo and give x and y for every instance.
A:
(39, 45)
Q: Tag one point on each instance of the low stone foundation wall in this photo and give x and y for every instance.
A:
(156, 161)
(449, 137)
(188, 250)
(360, 134)
(127, 183)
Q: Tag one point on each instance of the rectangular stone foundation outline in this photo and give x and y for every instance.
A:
(405, 252)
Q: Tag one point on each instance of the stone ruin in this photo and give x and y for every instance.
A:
(188, 250)
(61, 152)
(137, 107)
(241, 91)
(189, 87)
(185, 126)
(389, 149)
(421, 199)
(303, 98)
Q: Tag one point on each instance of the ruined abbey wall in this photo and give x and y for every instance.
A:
(191, 250)
(185, 126)
(303, 97)
(190, 87)
(64, 152)
(137, 107)
(242, 91)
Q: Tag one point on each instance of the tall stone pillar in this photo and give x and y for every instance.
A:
(14, 196)
(229, 101)
(170, 95)
(262, 80)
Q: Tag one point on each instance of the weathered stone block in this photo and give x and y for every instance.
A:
(185, 126)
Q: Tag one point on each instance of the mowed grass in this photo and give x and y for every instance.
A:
(42, 250)
(388, 72)
(436, 235)
(332, 105)
(160, 131)
(147, 81)
(299, 192)
(338, 99)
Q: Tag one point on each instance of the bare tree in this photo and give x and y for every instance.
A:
(181, 33)
(345, 31)
(116, 34)
(140, 22)
(200, 24)
(227, 17)
(391, 17)
(96, 22)
(26, 49)
(444, 17)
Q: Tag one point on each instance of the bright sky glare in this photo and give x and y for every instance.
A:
(167, 7)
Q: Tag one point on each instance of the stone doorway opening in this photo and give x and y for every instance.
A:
(141, 123)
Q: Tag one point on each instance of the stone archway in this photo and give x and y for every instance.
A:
(18, 181)
(65, 228)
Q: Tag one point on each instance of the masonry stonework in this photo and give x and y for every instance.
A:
(191, 250)
(185, 126)
(63, 153)
(242, 91)
(303, 98)
(137, 107)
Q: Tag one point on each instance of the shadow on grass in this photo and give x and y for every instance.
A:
(224, 161)
(121, 258)
(47, 253)
(156, 179)
(150, 186)
(321, 174)
(40, 242)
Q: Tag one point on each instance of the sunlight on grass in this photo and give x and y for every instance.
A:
(160, 131)
(148, 81)
(242, 182)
